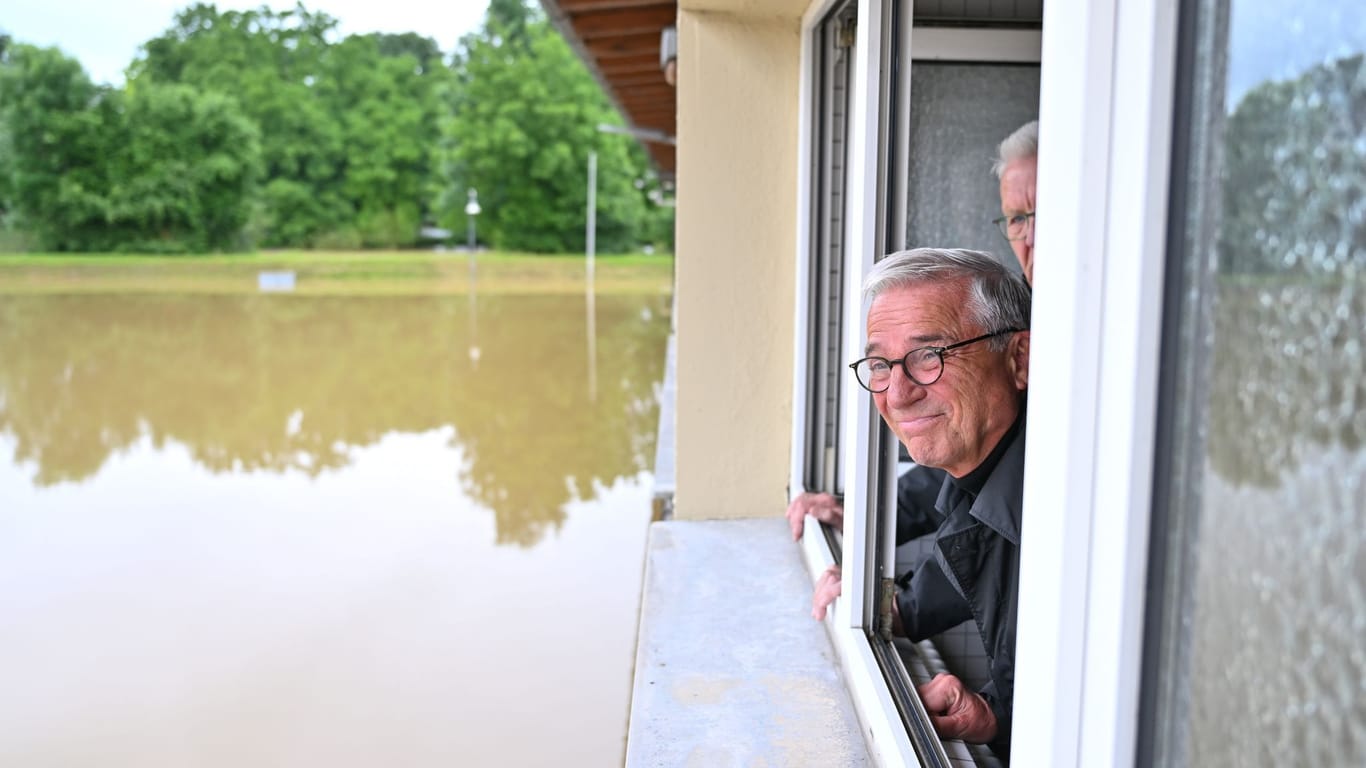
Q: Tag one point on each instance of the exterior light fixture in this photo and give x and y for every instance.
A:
(668, 54)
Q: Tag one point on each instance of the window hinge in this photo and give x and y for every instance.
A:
(846, 36)
(886, 595)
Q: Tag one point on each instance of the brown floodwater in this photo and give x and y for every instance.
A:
(278, 530)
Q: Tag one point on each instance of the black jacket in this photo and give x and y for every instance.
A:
(974, 573)
(917, 491)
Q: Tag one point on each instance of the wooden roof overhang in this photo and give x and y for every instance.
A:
(618, 40)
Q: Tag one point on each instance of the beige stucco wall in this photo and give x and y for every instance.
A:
(736, 233)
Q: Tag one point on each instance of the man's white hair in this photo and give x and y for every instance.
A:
(1023, 143)
(997, 298)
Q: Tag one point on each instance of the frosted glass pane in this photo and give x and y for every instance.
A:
(959, 114)
(1264, 656)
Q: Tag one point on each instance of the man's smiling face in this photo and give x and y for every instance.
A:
(956, 421)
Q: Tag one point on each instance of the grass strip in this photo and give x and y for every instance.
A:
(334, 272)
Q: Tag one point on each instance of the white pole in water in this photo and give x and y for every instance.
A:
(590, 238)
(591, 235)
(472, 209)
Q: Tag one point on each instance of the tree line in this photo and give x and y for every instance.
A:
(264, 128)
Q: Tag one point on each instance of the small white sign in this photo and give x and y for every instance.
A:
(275, 281)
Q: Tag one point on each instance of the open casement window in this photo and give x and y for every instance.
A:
(903, 115)
(972, 79)
(819, 459)
(966, 92)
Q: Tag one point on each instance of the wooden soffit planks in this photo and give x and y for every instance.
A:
(619, 42)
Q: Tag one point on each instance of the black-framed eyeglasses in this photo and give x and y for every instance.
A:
(923, 365)
(1015, 226)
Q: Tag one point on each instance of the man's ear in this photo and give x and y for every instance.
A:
(1018, 360)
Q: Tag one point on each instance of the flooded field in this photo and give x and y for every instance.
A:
(241, 529)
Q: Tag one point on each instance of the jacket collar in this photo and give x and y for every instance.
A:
(992, 492)
(998, 505)
(973, 482)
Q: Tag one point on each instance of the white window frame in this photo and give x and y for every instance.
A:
(1106, 100)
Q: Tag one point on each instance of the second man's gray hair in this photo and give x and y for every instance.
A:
(1024, 142)
(997, 297)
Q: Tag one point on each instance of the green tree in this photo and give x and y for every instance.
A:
(6, 146)
(86, 168)
(55, 138)
(269, 61)
(524, 117)
(423, 50)
(184, 173)
(386, 109)
(348, 128)
(1295, 180)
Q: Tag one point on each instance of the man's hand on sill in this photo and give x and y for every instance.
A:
(822, 506)
(827, 589)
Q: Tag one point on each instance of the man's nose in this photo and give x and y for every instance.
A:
(902, 388)
(1029, 234)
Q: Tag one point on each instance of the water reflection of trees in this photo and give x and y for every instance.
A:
(1288, 350)
(1289, 374)
(271, 383)
(546, 424)
(1295, 183)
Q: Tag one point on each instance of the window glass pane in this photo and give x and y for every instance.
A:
(958, 114)
(1259, 658)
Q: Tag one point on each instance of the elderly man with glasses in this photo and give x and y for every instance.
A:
(1016, 165)
(947, 363)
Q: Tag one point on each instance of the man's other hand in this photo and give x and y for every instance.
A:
(958, 713)
(827, 589)
(822, 506)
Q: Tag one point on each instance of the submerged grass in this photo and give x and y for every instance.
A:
(334, 272)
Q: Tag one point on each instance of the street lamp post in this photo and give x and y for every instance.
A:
(591, 229)
(472, 209)
(590, 250)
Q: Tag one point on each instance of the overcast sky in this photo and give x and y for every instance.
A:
(104, 35)
(1270, 38)
(1281, 39)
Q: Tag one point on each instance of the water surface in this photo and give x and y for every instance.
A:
(279, 530)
